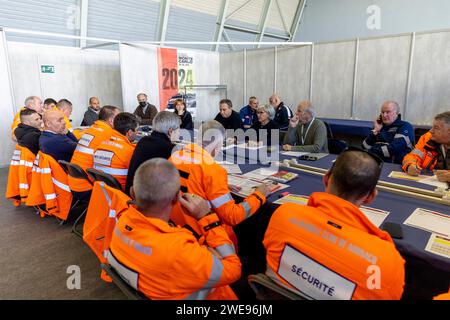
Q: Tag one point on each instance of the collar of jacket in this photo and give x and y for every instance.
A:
(396, 123)
(341, 210)
(28, 128)
(117, 136)
(160, 135)
(93, 110)
(139, 220)
(102, 125)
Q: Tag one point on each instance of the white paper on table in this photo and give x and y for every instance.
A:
(439, 245)
(376, 216)
(431, 221)
(294, 154)
(231, 146)
(245, 146)
(260, 174)
(230, 167)
(433, 181)
(247, 186)
(405, 176)
(293, 198)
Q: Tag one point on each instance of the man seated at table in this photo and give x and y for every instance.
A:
(29, 130)
(166, 130)
(91, 115)
(432, 152)
(282, 112)
(66, 107)
(306, 133)
(391, 139)
(329, 249)
(56, 140)
(113, 155)
(165, 261)
(249, 113)
(32, 103)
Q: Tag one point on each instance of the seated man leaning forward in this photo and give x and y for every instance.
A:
(165, 261)
(391, 139)
(432, 151)
(329, 250)
(306, 133)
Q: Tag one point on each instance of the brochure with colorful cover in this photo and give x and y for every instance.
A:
(283, 176)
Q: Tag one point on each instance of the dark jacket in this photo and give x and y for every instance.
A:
(157, 145)
(28, 137)
(393, 142)
(283, 115)
(146, 119)
(186, 120)
(60, 147)
(233, 122)
(90, 116)
(264, 133)
(248, 116)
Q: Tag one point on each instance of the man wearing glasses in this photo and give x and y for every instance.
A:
(329, 250)
(306, 133)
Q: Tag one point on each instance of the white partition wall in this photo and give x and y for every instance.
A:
(140, 73)
(350, 79)
(78, 75)
(6, 107)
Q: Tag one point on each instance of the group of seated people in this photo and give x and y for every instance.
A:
(178, 235)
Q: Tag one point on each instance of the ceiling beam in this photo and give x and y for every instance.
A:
(238, 9)
(252, 31)
(263, 22)
(220, 24)
(163, 19)
(297, 19)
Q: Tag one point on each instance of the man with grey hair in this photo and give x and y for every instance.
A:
(432, 152)
(166, 130)
(201, 175)
(164, 261)
(31, 103)
(391, 139)
(282, 112)
(306, 133)
(145, 112)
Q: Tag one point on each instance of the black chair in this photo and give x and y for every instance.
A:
(101, 176)
(266, 289)
(126, 289)
(75, 171)
(335, 146)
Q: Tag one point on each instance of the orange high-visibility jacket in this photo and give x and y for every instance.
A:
(444, 296)
(424, 155)
(113, 157)
(166, 262)
(105, 208)
(35, 194)
(13, 184)
(330, 250)
(25, 172)
(202, 176)
(58, 197)
(84, 153)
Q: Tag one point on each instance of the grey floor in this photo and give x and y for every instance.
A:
(36, 253)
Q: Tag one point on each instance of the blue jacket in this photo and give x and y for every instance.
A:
(248, 116)
(393, 142)
(282, 116)
(60, 147)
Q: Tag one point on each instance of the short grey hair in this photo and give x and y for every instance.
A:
(165, 120)
(269, 109)
(30, 100)
(308, 107)
(156, 183)
(445, 117)
(210, 131)
(397, 107)
(141, 94)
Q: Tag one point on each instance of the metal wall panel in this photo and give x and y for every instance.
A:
(334, 66)
(232, 75)
(57, 16)
(260, 73)
(382, 74)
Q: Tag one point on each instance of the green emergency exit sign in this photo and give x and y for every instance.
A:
(48, 69)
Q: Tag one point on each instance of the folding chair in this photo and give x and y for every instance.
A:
(266, 289)
(101, 176)
(126, 289)
(335, 146)
(75, 171)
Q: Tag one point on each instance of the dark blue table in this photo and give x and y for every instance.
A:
(427, 274)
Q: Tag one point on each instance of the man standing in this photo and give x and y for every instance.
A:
(432, 151)
(282, 112)
(145, 112)
(306, 133)
(391, 138)
(91, 115)
(56, 140)
(249, 113)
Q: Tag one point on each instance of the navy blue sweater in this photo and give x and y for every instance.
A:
(60, 147)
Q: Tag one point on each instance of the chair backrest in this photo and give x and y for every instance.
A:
(126, 289)
(329, 131)
(336, 146)
(74, 170)
(101, 176)
(266, 289)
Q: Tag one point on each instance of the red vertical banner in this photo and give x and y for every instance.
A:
(168, 75)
